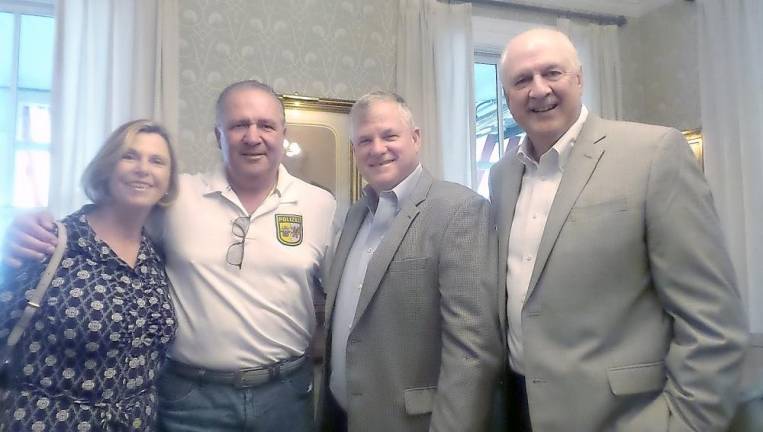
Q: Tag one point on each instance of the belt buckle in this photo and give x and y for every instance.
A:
(244, 378)
(253, 377)
(241, 379)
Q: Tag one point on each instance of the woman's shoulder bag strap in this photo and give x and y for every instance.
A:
(35, 299)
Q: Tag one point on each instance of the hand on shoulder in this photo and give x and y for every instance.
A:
(29, 237)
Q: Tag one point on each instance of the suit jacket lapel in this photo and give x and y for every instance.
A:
(585, 156)
(352, 224)
(510, 184)
(384, 253)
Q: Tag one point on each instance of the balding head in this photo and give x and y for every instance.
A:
(543, 83)
(536, 38)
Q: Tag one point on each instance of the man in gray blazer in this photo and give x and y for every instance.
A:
(619, 300)
(413, 335)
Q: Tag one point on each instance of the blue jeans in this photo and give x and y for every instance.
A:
(285, 404)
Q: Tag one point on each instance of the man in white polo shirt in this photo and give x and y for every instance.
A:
(243, 246)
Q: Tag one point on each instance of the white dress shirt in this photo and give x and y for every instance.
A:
(540, 182)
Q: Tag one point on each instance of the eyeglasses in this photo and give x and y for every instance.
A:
(548, 76)
(235, 254)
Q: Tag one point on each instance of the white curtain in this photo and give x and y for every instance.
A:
(731, 90)
(599, 52)
(116, 60)
(434, 73)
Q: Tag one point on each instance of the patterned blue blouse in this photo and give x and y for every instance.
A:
(90, 357)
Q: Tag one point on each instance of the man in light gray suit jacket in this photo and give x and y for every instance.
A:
(619, 298)
(413, 335)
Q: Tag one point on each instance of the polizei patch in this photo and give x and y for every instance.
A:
(289, 229)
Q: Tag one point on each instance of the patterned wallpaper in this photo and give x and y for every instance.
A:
(660, 67)
(325, 48)
(344, 48)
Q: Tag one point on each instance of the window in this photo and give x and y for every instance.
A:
(26, 66)
(496, 130)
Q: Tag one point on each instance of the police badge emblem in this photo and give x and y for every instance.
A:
(289, 229)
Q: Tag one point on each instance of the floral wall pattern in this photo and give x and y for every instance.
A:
(336, 49)
(345, 48)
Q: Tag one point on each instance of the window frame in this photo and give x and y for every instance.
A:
(493, 58)
(18, 8)
(503, 142)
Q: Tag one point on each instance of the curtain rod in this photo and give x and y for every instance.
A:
(618, 20)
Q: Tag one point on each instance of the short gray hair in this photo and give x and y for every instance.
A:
(360, 107)
(244, 85)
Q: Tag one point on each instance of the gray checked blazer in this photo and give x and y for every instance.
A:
(424, 351)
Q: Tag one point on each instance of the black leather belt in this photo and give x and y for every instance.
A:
(242, 378)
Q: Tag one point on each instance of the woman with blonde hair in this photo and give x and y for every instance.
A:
(92, 352)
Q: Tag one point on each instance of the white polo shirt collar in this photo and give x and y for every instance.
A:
(217, 183)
